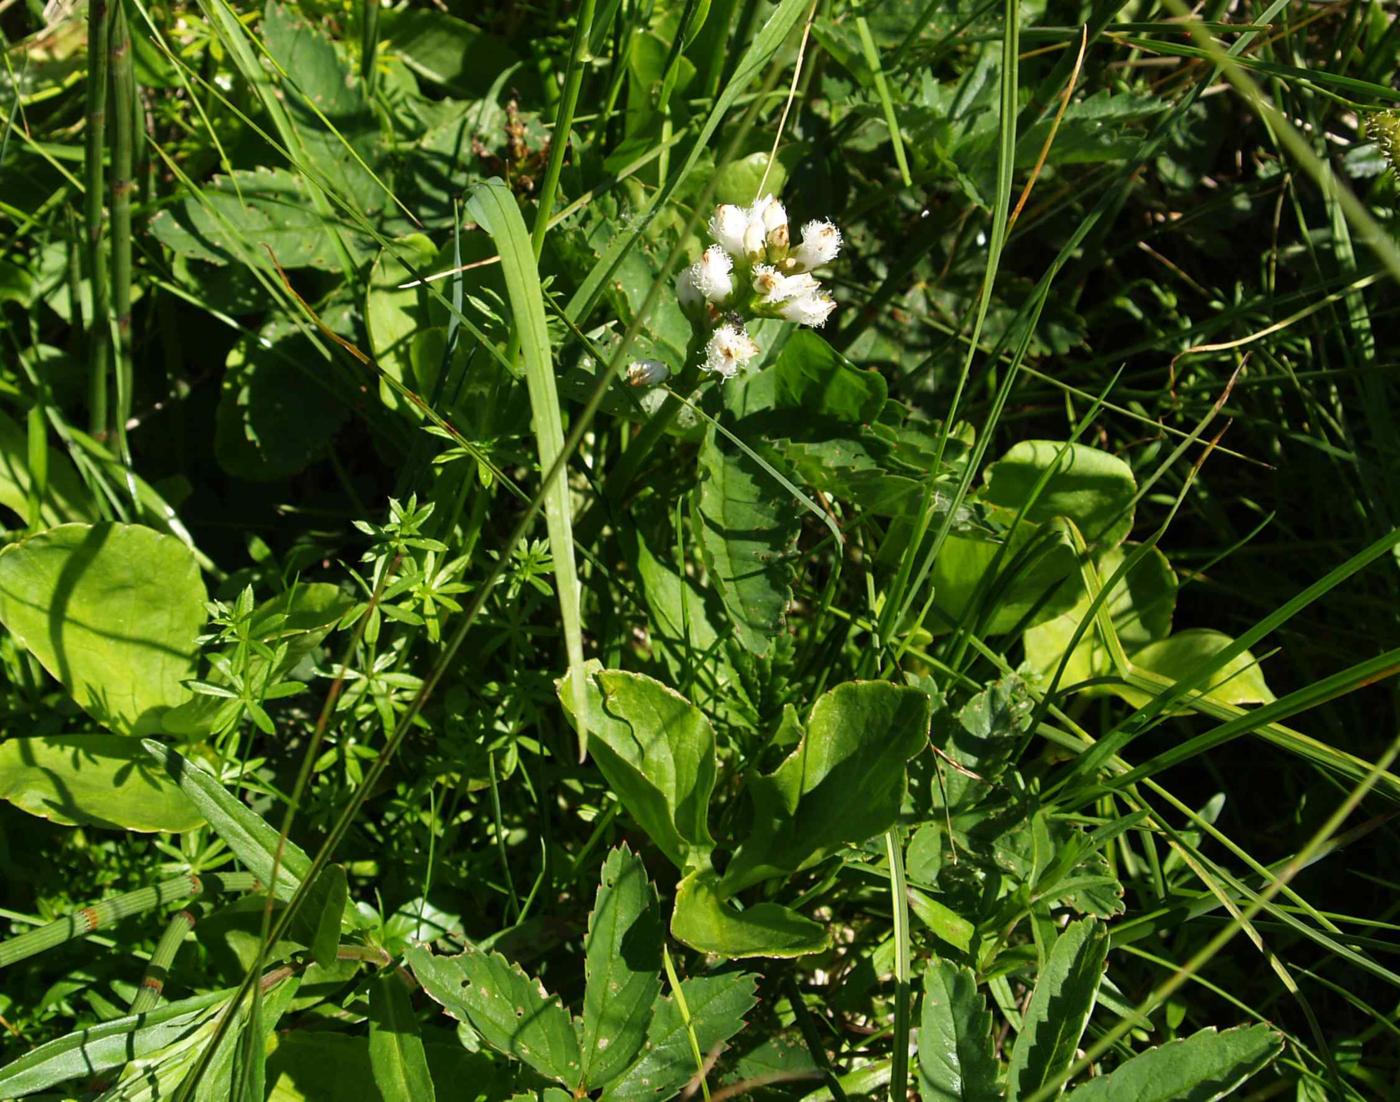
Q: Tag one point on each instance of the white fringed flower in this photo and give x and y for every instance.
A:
(729, 349)
(647, 372)
(712, 274)
(811, 309)
(821, 241)
(774, 287)
(727, 227)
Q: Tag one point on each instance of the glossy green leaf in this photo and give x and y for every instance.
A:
(1140, 606)
(704, 920)
(1032, 580)
(396, 1054)
(716, 1006)
(512, 1012)
(93, 780)
(657, 752)
(842, 784)
(1064, 997)
(316, 1065)
(748, 526)
(251, 839)
(89, 1052)
(1089, 487)
(1239, 681)
(810, 377)
(738, 182)
(233, 217)
(112, 611)
(956, 1062)
(622, 968)
(1199, 1068)
(446, 50)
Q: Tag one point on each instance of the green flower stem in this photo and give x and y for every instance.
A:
(99, 335)
(89, 919)
(124, 108)
(158, 970)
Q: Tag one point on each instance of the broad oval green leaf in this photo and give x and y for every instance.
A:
(996, 586)
(1064, 997)
(716, 1006)
(93, 780)
(1087, 486)
(622, 966)
(657, 751)
(1204, 1066)
(703, 920)
(1238, 681)
(113, 611)
(842, 784)
(812, 378)
(956, 1062)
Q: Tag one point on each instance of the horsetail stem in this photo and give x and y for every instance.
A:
(158, 970)
(99, 336)
(95, 916)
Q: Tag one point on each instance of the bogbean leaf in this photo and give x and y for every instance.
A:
(956, 1062)
(1140, 607)
(748, 526)
(1239, 681)
(622, 966)
(1089, 487)
(110, 1045)
(1064, 997)
(842, 784)
(396, 1054)
(997, 585)
(810, 377)
(657, 751)
(703, 920)
(1206, 1065)
(716, 1006)
(512, 1012)
(93, 780)
(112, 611)
(240, 217)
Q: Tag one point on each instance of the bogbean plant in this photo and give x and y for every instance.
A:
(854, 810)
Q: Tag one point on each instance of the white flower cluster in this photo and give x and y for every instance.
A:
(753, 271)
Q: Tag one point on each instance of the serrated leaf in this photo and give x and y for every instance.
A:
(1200, 1068)
(511, 1011)
(842, 784)
(622, 968)
(657, 751)
(1064, 997)
(716, 1004)
(956, 1061)
(396, 1054)
(113, 611)
(94, 780)
(704, 920)
(748, 526)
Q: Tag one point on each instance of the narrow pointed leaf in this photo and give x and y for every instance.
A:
(395, 1048)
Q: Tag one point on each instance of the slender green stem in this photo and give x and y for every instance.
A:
(123, 125)
(579, 57)
(158, 970)
(369, 41)
(99, 334)
(899, 910)
(38, 490)
(95, 916)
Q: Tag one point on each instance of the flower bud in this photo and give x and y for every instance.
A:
(647, 372)
(727, 226)
(687, 293)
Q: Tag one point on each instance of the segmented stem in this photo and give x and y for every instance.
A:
(158, 970)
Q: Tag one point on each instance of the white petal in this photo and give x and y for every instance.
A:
(809, 309)
(727, 227)
(712, 274)
(687, 290)
(821, 241)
